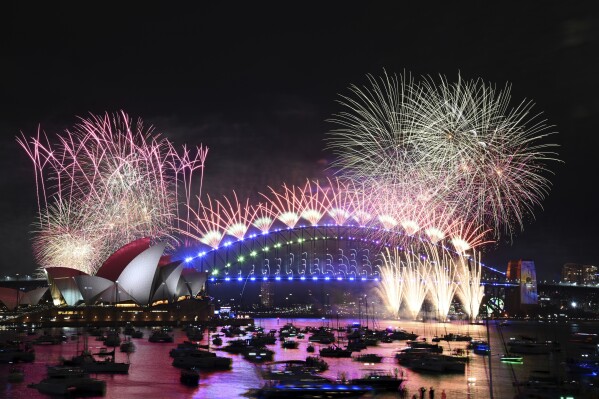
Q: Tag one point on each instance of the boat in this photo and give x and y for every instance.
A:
(202, 359)
(290, 344)
(112, 338)
(137, 334)
(511, 359)
(47, 339)
(311, 389)
(317, 364)
(335, 351)
(69, 381)
(86, 361)
(453, 337)
(288, 330)
(195, 334)
(475, 342)
(185, 348)
(482, 349)
(160, 336)
(258, 355)
(190, 377)
(128, 347)
(437, 363)
(401, 335)
(368, 358)
(261, 339)
(425, 345)
(322, 335)
(128, 330)
(236, 346)
(381, 380)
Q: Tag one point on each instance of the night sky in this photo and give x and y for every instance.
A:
(257, 83)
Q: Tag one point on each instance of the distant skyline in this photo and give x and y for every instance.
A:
(256, 84)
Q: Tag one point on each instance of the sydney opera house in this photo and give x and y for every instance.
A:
(137, 278)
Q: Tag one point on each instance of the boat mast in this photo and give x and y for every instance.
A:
(489, 356)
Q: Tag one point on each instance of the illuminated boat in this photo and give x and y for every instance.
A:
(312, 389)
(380, 380)
(335, 351)
(511, 359)
(368, 358)
(160, 336)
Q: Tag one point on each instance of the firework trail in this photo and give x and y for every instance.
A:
(415, 275)
(442, 282)
(109, 181)
(470, 291)
(391, 285)
(460, 143)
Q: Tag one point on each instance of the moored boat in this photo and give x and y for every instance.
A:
(368, 358)
(312, 389)
(69, 381)
(381, 380)
(190, 377)
(160, 336)
(202, 360)
(335, 351)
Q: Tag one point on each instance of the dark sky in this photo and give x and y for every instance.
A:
(256, 84)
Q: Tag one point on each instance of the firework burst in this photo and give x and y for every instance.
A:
(391, 286)
(109, 181)
(470, 291)
(460, 143)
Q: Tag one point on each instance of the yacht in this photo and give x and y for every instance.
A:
(160, 336)
(290, 344)
(69, 381)
(335, 351)
(437, 363)
(128, 346)
(201, 359)
(312, 389)
(190, 378)
(368, 358)
(258, 355)
(381, 380)
(86, 361)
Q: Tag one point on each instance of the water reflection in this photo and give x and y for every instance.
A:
(151, 374)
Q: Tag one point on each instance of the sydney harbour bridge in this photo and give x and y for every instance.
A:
(325, 252)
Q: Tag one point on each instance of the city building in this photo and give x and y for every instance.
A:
(576, 273)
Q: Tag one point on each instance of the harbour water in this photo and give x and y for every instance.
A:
(151, 374)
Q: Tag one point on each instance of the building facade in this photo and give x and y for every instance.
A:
(576, 273)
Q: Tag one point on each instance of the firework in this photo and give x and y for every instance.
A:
(415, 276)
(391, 285)
(107, 181)
(459, 143)
(470, 291)
(442, 280)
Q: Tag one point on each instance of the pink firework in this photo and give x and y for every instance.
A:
(116, 176)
